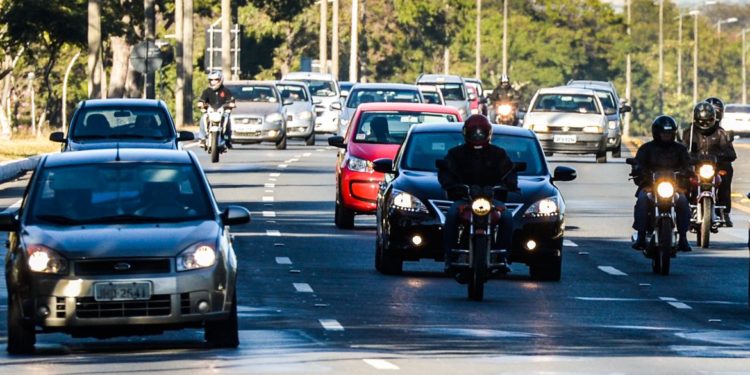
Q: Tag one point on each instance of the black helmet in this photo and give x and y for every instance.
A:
(477, 131)
(663, 124)
(704, 117)
(718, 105)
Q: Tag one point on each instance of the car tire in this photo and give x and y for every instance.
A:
(224, 333)
(601, 157)
(547, 270)
(310, 141)
(385, 262)
(343, 217)
(281, 143)
(21, 333)
(617, 152)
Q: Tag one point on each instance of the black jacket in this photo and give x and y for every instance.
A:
(656, 156)
(216, 99)
(489, 166)
(715, 144)
(504, 94)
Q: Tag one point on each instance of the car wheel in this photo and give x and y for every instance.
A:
(224, 333)
(547, 270)
(281, 144)
(21, 333)
(601, 157)
(617, 152)
(385, 261)
(343, 217)
(310, 141)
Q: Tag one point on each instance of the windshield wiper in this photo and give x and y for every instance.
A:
(127, 135)
(59, 219)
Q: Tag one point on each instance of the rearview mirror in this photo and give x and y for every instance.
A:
(336, 141)
(57, 137)
(336, 106)
(564, 174)
(383, 165)
(185, 136)
(626, 108)
(235, 215)
(8, 221)
(345, 93)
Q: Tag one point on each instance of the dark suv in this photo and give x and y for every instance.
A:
(124, 123)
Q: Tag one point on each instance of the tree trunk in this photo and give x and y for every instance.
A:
(187, 60)
(6, 87)
(120, 67)
(95, 49)
(179, 93)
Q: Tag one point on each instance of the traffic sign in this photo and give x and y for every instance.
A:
(146, 57)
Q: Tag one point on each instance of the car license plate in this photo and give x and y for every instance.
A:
(564, 138)
(122, 291)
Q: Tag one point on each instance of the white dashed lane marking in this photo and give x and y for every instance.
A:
(283, 260)
(303, 287)
(293, 160)
(274, 174)
(380, 364)
(267, 199)
(306, 154)
(612, 271)
(569, 243)
(676, 304)
(269, 185)
(282, 165)
(331, 324)
(269, 214)
(273, 233)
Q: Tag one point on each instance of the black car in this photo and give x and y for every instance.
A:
(124, 123)
(412, 205)
(120, 242)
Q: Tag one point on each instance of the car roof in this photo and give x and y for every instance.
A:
(473, 80)
(737, 105)
(123, 102)
(308, 75)
(110, 155)
(420, 107)
(593, 86)
(439, 78)
(566, 90)
(249, 82)
(292, 83)
(428, 88)
(384, 86)
(608, 84)
(458, 128)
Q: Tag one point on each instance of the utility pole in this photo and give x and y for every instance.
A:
(626, 128)
(679, 58)
(661, 57)
(179, 93)
(94, 50)
(33, 106)
(505, 37)
(335, 41)
(226, 38)
(695, 56)
(323, 43)
(187, 59)
(744, 67)
(149, 89)
(447, 60)
(478, 61)
(354, 48)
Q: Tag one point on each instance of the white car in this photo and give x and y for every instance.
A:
(737, 118)
(325, 89)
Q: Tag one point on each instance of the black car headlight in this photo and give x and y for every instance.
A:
(546, 207)
(406, 202)
(196, 257)
(45, 260)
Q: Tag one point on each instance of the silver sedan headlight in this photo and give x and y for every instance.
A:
(196, 257)
(45, 260)
(305, 115)
(274, 117)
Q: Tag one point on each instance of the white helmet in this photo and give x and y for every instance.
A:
(215, 79)
(504, 79)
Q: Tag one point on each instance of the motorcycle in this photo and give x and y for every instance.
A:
(661, 233)
(505, 113)
(475, 259)
(216, 121)
(706, 216)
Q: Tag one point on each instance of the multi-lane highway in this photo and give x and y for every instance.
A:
(311, 301)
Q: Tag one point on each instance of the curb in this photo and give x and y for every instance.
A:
(11, 169)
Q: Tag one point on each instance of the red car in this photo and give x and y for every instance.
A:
(376, 131)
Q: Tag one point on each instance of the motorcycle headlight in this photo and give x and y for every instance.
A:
(593, 129)
(543, 208)
(481, 206)
(305, 115)
(45, 260)
(274, 117)
(359, 165)
(706, 171)
(407, 202)
(504, 109)
(214, 117)
(665, 189)
(198, 256)
(612, 124)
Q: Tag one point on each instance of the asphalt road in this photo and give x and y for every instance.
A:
(311, 301)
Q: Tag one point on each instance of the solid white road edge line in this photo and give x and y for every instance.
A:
(273, 233)
(380, 364)
(269, 214)
(331, 324)
(612, 271)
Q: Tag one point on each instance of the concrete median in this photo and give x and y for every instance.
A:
(14, 168)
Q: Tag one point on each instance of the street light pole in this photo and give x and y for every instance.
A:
(323, 42)
(661, 56)
(679, 58)
(335, 40)
(478, 61)
(626, 129)
(695, 55)
(354, 42)
(505, 37)
(744, 68)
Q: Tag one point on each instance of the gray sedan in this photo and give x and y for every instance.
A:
(138, 246)
(259, 114)
(300, 115)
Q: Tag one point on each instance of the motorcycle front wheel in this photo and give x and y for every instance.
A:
(663, 255)
(214, 148)
(704, 234)
(478, 268)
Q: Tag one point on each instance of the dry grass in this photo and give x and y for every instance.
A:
(19, 148)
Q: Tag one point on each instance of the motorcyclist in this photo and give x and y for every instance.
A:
(476, 162)
(709, 138)
(661, 154)
(504, 91)
(215, 96)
